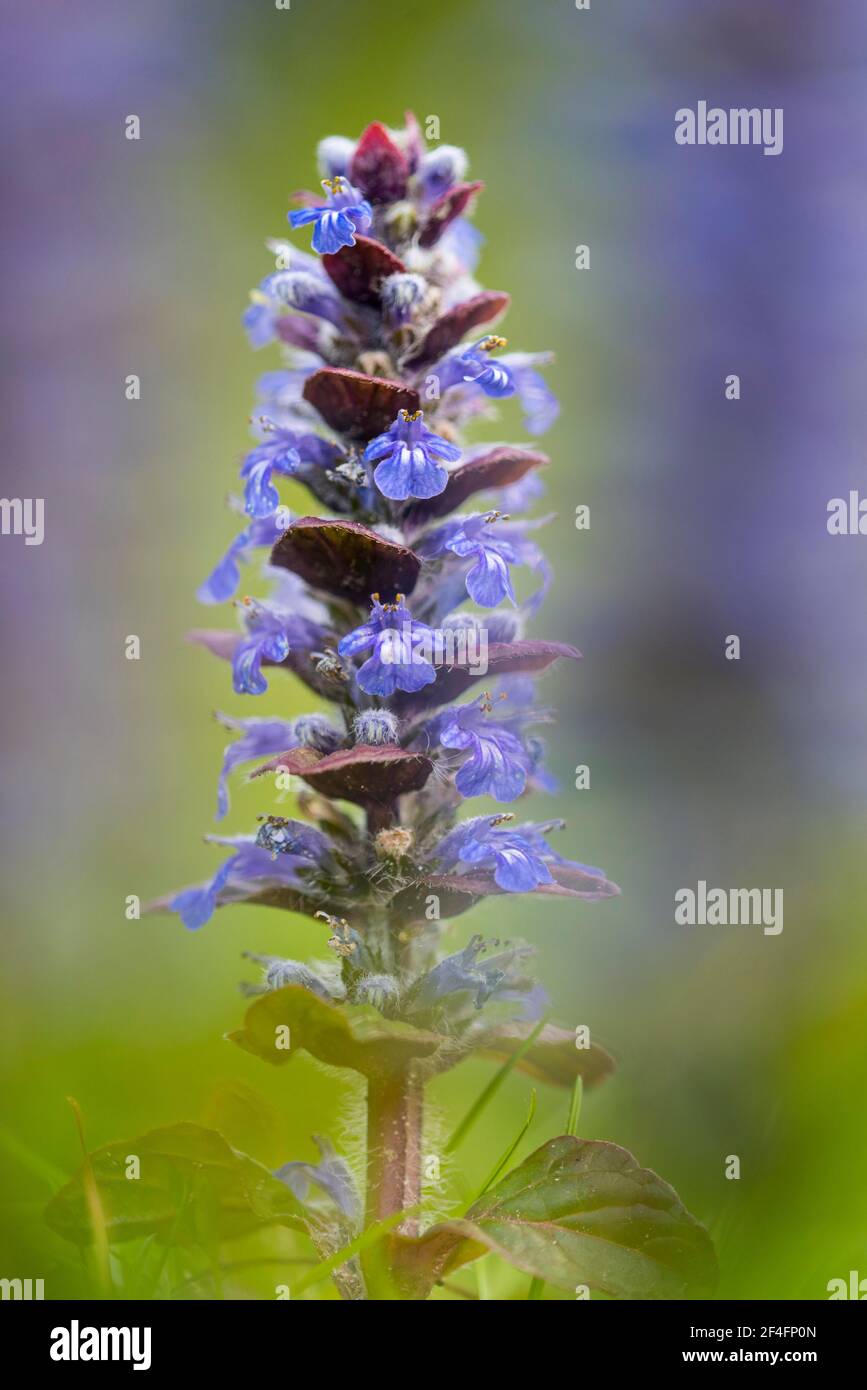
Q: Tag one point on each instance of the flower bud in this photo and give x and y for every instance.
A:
(375, 726)
(382, 991)
(401, 295)
(503, 626)
(401, 220)
(393, 844)
(317, 732)
(442, 167)
(333, 155)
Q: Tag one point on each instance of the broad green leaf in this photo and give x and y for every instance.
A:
(191, 1185)
(575, 1212)
(290, 1019)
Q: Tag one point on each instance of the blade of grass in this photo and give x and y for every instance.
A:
(537, 1286)
(491, 1089)
(575, 1107)
(94, 1207)
(32, 1161)
(483, 1279)
(501, 1163)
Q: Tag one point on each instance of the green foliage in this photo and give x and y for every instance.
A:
(355, 1036)
(192, 1189)
(576, 1212)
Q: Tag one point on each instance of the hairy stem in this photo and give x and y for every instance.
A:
(395, 1108)
(394, 1137)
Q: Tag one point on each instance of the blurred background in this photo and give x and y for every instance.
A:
(708, 518)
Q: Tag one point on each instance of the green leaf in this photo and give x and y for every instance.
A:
(343, 1035)
(191, 1185)
(247, 1121)
(575, 1212)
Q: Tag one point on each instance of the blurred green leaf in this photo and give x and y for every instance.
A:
(192, 1188)
(347, 1035)
(575, 1212)
(248, 1121)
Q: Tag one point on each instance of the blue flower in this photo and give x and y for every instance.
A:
(517, 856)
(333, 1175)
(513, 374)
(534, 393)
(248, 871)
(475, 365)
(260, 737)
(498, 764)
(196, 906)
(283, 450)
(263, 736)
(520, 496)
(464, 242)
(258, 320)
(337, 221)
(222, 583)
(399, 647)
(280, 399)
(488, 580)
(266, 640)
(277, 454)
(410, 459)
(464, 973)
